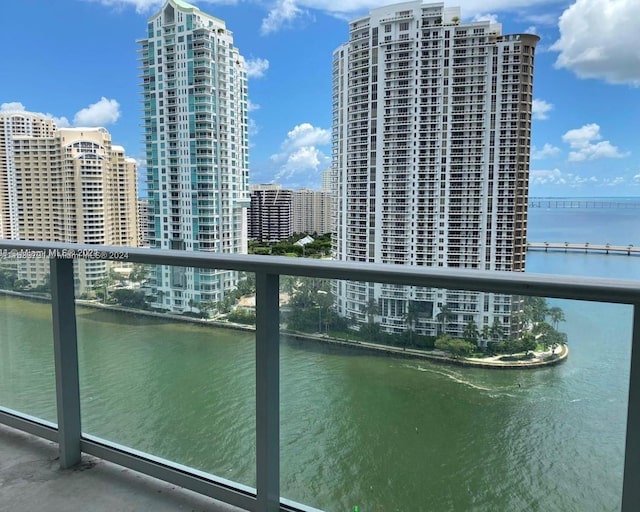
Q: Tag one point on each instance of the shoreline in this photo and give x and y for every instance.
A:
(372, 348)
(436, 356)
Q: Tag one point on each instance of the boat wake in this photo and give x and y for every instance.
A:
(456, 377)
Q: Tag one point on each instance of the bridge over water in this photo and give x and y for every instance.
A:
(582, 203)
(586, 247)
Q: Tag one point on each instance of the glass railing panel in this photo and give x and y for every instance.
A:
(178, 385)
(371, 420)
(27, 381)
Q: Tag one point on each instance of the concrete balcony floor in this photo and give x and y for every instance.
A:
(31, 479)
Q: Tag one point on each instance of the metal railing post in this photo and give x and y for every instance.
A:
(267, 393)
(631, 481)
(65, 345)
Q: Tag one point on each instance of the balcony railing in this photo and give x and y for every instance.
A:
(266, 496)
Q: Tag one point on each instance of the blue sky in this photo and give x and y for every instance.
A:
(76, 60)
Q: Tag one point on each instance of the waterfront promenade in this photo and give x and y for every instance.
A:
(585, 247)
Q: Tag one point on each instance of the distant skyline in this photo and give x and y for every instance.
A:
(77, 61)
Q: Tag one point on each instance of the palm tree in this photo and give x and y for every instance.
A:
(371, 310)
(410, 317)
(471, 332)
(444, 316)
(535, 309)
(557, 315)
(485, 335)
(496, 330)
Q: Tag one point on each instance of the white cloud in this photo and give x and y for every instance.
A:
(541, 109)
(547, 151)
(583, 143)
(618, 180)
(12, 106)
(16, 106)
(141, 6)
(101, 113)
(251, 106)
(256, 68)
(299, 152)
(545, 177)
(557, 177)
(491, 18)
(281, 15)
(347, 9)
(598, 39)
(531, 30)
(636, 177)
(252, 127)
(61, 122)
(306, 135)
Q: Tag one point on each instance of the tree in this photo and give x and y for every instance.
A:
(138, 273)
(21, 285)
(410, 317)
(8, 277)
(471, 333)
(534, 309)
(444, 316)
(207, 307)
(370, 331)
(371, 310)
(485, 335)
(247, 284)
(288, 284)
(455, 346)
(115, 276)
(497, 332)
(130, 298)
(101, 286)
(556, 315)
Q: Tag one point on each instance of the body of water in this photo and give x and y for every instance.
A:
(382, 433)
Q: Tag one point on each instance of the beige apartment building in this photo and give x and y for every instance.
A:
(311, 211)
(68, 185)
(13, 124)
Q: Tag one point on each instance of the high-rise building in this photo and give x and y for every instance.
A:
(12, 124)
(431, 130)
(327, 180)
(311, 211)
(70, 185)
(270, 213)
(194, 88)
(143, 223)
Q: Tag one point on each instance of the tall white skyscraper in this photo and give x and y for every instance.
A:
(431, 130)
(194, 86)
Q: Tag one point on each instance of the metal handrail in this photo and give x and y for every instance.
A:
(266, 497)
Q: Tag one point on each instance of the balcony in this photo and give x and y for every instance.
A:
(78, 448)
